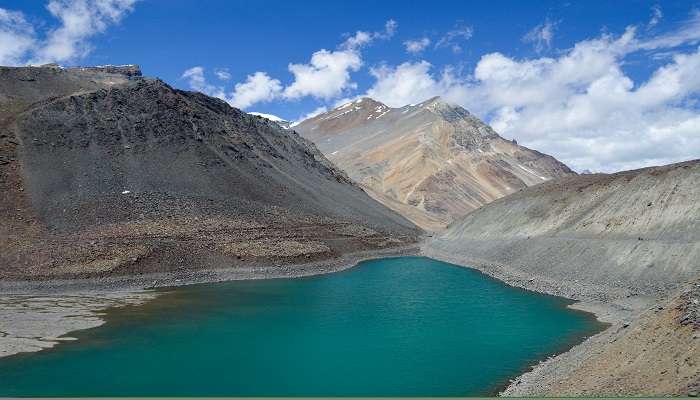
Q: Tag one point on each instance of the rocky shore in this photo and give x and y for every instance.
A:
(36, 315)
(625, 247)
(651, 347)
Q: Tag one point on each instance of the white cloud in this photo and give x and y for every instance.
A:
(16, 37)
(79, 20)
(359, 39)
(410, 82)
(326, 76)
(258, 87)
(363, 38)
(580, 106)
(416, 46)
(687, 34)
(541, 36)
(452, 38)
(197, 81)
(222, 74)
(656, 15)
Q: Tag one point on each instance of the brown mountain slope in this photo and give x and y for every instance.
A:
(627, 246)
(431, 162)
(105, 173)
(635, 231)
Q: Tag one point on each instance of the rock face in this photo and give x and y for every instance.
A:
(431, 162)
(129, 70)
(103, 172)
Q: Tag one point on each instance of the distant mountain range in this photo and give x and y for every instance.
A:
(431, 162)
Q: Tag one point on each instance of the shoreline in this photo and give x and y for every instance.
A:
(85, 301)
(617, 313)
(158, 280)
(35, 316)
(31, 323)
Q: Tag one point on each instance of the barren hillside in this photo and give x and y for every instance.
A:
(432, 162)
(106, 173)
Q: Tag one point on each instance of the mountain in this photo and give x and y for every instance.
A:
(634, 229)
(431, 162)
(106, 173)
(627, 245)
(281, 122)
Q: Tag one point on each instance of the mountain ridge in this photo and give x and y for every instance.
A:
(432, 161)
(106, 173)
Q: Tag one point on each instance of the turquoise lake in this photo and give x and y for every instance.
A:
(408, 326)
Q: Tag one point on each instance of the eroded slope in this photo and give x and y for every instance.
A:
(627, 245)
(431, 162)
(106, 173)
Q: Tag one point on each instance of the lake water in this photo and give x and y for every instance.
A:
(409, 326)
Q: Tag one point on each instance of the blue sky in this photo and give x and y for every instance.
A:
(473, 53)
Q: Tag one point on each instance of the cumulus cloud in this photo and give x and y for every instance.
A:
(197, 81)
(410, 82)
(541, 36)
(17, 37)
(79, 21)
(580, 106)
(258, 87)
(326, 75)
(452, 38)
(416, 46)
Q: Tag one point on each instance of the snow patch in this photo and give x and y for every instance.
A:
(531, 171)
(382, 114)
(271, 117)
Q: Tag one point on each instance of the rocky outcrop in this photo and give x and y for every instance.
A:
(107, 173)
(129, 70)
(432, 162)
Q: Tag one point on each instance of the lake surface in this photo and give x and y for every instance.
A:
(409, 326)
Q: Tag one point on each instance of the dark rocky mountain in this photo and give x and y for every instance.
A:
(431, 162)
(104, 172)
